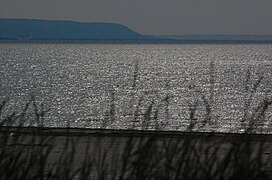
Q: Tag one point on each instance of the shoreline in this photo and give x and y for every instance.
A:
(170, 41)
(73, 131)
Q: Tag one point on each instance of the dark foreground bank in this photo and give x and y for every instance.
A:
(67, 153)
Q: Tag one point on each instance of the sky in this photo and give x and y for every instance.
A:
(154, 17)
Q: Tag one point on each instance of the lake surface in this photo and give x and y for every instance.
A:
(140, 86)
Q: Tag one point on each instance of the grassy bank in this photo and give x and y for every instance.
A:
(72, 153)
(66, 153)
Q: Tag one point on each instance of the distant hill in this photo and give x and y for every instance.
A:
(28, 29)
(218, 38)
(57, 30)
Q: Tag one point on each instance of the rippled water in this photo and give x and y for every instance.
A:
(139, 86)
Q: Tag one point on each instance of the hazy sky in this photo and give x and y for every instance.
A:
(154, 16)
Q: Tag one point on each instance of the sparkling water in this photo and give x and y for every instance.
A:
(127, 86)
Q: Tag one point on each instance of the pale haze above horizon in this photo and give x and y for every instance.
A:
(156, 17)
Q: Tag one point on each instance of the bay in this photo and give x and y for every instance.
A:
(140, 86)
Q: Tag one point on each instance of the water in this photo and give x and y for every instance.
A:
(138, 86)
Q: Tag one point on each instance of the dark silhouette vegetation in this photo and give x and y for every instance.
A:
(67, 153)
